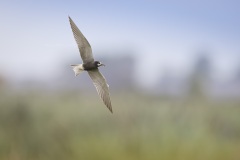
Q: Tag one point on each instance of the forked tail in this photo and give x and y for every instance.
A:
(77, 68)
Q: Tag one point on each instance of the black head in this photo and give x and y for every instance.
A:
(98, 64)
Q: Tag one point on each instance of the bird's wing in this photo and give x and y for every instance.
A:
(83, 45)
(102, 87)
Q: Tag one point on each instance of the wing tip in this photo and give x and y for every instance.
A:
(70, 20)
(110, 109)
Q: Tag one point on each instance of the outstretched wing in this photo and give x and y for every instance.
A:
(101, 86)
(83, 45)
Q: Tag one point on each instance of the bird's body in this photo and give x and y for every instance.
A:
(90, 65)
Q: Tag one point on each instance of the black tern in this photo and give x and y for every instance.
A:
(90, 65)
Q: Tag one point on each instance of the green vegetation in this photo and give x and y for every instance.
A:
(72, 126)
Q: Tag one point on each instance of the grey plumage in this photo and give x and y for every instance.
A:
(101, 86)
(90, 66)
(83, 45)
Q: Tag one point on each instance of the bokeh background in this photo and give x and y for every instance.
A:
(173, 68)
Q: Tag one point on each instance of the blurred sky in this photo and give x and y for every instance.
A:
(36, 38)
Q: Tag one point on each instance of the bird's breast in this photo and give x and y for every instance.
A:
(89, 66)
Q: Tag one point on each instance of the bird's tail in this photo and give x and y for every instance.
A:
(77, 68)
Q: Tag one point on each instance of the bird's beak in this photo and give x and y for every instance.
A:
(102, 64)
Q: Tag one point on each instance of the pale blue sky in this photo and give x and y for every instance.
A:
(36, 37)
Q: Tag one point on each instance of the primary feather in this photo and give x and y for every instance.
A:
(102, 87)
(83, 45)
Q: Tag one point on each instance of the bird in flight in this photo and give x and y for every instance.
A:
(90, 65)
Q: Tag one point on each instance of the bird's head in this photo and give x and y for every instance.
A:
(98, 64)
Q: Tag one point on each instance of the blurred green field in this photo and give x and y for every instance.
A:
(69, 125)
